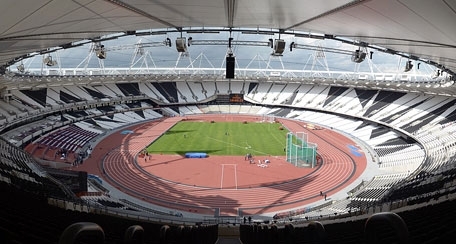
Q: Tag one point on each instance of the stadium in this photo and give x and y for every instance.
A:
(227, 121)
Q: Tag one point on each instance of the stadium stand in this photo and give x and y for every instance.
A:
(405, 121)
(432, 181)
(38, 209)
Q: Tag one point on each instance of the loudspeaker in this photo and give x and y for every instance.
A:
(230, 61)
(181, 46)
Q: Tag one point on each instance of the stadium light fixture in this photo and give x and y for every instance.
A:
(181, 45)
(21, 68)
(358, 56)
(100, 51)
(48, 61)
(279, 46)
(408, 66)
(436, 74)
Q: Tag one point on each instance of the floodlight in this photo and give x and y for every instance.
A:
(358, 56)
(181, 45)
(48, 61)
(100, 52)
(279, 46)
(408, 66)
(21, 68)
(436, 74)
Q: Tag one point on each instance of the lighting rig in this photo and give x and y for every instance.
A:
(48, 61)
(21, 68)
(358, 56)
(408, 66)
(100, 51)
(279, 47)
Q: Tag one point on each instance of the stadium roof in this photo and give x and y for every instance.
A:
(419, 29)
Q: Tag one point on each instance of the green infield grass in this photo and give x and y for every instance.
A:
(222, 138)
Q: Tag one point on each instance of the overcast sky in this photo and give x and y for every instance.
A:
(214, 55)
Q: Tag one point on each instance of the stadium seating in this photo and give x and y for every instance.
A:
(27, 217)
(413, 137)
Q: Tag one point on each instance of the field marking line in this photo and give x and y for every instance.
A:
(239, 146)
(279, 140)
(231, 144)
(248, 145)
(221, 178)
(235, 175)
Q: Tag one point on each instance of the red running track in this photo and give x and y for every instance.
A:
(223, 185)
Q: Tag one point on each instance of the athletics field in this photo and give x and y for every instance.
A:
(222, 138)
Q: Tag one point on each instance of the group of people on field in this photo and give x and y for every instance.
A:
(249, 157)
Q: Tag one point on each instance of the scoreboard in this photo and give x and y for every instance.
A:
(236, 98)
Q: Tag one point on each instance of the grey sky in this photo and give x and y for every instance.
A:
(258, 57)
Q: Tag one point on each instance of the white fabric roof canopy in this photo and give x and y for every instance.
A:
(421, 28)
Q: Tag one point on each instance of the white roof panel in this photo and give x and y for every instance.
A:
(422, 28)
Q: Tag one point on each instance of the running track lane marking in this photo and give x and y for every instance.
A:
(235, 175)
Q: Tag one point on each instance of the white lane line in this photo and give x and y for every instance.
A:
(221, 178)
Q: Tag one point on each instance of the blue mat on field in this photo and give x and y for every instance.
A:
(195, 155)
(355, 150)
